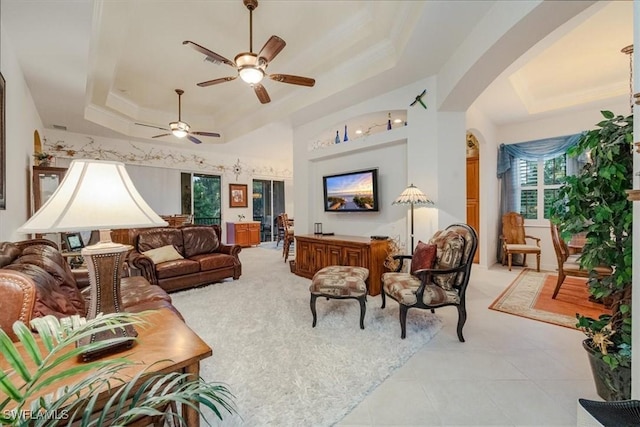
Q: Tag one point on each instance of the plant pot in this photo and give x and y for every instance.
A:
(610, 384)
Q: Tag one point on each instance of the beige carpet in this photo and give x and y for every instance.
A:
(529, 295)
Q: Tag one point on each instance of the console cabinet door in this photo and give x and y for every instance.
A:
(334, 255)
(253, 234)
(304, 257)
(355, 257)
(319, 256)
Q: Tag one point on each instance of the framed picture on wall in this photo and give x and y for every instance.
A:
(238, 196)
(3, 149)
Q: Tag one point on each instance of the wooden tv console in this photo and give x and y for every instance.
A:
(314, 252)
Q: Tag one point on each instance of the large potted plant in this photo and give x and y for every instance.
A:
(143, 395)
(594, 202)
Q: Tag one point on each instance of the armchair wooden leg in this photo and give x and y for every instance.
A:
(561, 277)
(363, 310)
(403, 320)
(538, 259)
(312, 304)
(462, 318)
(509, 256)
(524, 260)
(384, 298)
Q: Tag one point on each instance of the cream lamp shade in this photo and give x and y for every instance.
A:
(94, 194)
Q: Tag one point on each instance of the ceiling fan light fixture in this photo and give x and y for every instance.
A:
(248, 68)
(179, 129)
(251, 75)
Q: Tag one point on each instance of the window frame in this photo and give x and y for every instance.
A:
(540, 187)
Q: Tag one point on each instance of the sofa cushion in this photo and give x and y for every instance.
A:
(177, 268)
(159, 237)
(450, 246)
(199, 240)
(8, 252)
(50, 298)
(214, 261)
(51, 260)
(163, 254)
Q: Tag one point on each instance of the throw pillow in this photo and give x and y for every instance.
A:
(424, 256)
(163, 254)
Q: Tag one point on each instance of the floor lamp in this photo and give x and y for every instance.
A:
(412, 196)
(98, 195)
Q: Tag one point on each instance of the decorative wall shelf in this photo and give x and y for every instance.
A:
(383, 139)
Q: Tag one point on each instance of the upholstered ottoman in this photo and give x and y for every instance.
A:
(340, 282)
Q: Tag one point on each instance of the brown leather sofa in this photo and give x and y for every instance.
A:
(204, 258)
(36, 280)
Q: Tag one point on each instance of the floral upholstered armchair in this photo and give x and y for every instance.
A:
(438, 277)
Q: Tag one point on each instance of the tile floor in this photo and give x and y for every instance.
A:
(510, 371)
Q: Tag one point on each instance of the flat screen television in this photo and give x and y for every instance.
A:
(351, 192)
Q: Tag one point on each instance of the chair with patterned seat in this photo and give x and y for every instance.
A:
(514, 240)
(438, 277)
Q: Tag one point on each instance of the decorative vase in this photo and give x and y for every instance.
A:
(346, 137)
(337, 137)
(610, 384)
(44, 163)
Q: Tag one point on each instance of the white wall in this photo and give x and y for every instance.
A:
(22, 120)
(155, 168)
(429, 152)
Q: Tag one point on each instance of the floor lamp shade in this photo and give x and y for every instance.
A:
(412, 196)
(97, 195)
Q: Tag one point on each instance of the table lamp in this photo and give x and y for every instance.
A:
(98, 195)
(412, 196)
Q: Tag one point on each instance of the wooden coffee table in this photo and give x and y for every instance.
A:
(166, 344)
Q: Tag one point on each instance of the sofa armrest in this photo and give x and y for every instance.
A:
(229, 249)
(145, 265)
(18, 299)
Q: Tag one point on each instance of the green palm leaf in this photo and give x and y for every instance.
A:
(144, 394)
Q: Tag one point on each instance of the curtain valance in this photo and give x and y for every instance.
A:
(540, 149)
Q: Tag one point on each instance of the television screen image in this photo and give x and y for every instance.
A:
(351, 192)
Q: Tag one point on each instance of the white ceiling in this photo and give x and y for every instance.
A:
(98, 67)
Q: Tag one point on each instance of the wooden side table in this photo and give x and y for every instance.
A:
(166, 344)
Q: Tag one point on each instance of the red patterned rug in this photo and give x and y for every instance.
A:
(530, 296)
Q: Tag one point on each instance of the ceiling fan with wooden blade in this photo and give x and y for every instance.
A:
(180, 129)
(251, 66)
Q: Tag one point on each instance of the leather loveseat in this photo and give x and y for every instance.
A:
(36, 280)
(198, 256)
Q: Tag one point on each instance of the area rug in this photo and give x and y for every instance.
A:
(529, 295)
(282, 371)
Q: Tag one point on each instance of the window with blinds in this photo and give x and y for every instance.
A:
(538, 183)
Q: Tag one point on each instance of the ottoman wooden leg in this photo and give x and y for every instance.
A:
(312, 303)
(363, 310)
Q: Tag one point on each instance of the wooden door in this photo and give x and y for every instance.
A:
(473, 197)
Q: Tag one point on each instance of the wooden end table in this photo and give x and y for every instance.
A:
(166, 344)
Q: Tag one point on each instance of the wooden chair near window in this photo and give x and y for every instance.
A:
(569, 264)
(289, 236)
(279, 229)
(514, 240)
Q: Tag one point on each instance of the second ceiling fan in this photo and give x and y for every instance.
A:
(250, 66)
(179, 128)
